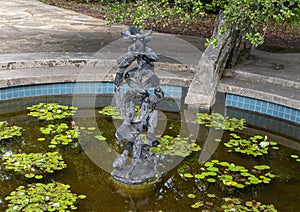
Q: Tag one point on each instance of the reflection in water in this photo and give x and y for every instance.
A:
(85, 177)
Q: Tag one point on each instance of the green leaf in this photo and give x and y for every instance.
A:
(199, 176)
(82, 196)
(188, 175)
(211, 195)
(41, 139)
(29, 175)
(38, 177)
(261, 167)
(100, 138)
(191, 196)
(211, 180)
(197, 205)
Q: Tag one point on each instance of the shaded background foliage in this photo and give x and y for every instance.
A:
(260, 18)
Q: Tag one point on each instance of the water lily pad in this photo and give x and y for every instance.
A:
(60, 134)
(100, 137)
(7, 131)
(191, 196)
(235, 204)
(211, 195)
(238, 185)
(199, 176)
(211, 180)
(34, 164)
(233, 176)
(111, 111)
(197, 205)
(261, 167)
(42, 197)
(188, 175)
(255, 146)
(218, 121)
(82, 196)
(41, 139)
(38, 177)
(29, 175)
(51, 111)
(175, 146)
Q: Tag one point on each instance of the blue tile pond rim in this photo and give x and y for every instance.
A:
(263, 107)
(232, 100)
(73, 88)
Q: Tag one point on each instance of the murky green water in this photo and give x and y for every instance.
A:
(86, 177)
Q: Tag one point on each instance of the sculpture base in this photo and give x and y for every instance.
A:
(137, 173)
(136, 190)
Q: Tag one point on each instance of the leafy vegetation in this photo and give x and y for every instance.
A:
(145, 11)
(60, 134)
(254, 16)
(231, 175)
(256, 145)
(51, 111)
(175, 146)
(34, 165)
(7, 131)
(218, 121)
(250, 17)
(43, 197)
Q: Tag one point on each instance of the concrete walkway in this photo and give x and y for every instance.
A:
(42, 43)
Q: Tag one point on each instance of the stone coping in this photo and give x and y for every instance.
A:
(40, 68)
(27, 69)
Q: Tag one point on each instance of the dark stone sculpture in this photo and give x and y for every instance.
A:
(139, 79)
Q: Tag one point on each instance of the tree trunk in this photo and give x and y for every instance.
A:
(232, 48)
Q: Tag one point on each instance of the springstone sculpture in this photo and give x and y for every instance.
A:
(137, 129)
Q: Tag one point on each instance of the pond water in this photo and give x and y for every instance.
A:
(172, 192)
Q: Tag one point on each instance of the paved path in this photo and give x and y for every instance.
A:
(36, 35)
(31, 26)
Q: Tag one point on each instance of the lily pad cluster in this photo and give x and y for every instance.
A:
(256, 145)
(51, 111)
(43, 197)
(7, 131)
(231, 204)
(218, 121)
(235, 204)
(231, 175)
(175, 146)
(34, 164)
(111, 111)
(60, 134)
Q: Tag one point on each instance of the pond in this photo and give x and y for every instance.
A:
(186, 184)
